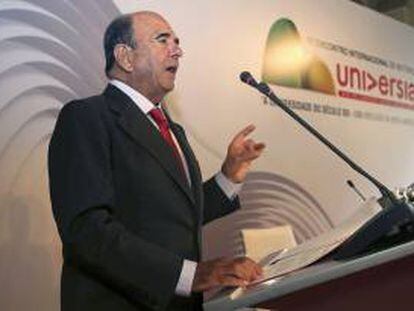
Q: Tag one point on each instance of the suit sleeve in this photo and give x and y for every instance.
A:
(216, 203)
(82, 198)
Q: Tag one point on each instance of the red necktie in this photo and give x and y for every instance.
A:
(162, 122)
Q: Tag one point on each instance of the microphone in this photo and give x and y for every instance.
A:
(406, 194)
(247, 78)
(395, 212)
(352, 186)
(263, 88)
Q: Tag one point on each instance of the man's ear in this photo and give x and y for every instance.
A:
(123, 57)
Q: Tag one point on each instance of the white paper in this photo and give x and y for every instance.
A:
(310, 251)
(259, 243)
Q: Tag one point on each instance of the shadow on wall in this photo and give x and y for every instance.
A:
(27, 269)
(267, 200)
(54, 54)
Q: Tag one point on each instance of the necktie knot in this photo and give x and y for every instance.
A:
(159, 118)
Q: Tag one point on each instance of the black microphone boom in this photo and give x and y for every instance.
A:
(395, 212)
(263, 88)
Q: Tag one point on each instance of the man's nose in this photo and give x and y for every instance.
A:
(177, 51)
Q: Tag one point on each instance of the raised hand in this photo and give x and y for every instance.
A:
(240, 154)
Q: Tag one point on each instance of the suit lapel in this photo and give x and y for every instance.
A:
(134, 122)
(195, 174)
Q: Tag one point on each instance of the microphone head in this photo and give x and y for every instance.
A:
(264, 88)
(247, 78)
(350, 183)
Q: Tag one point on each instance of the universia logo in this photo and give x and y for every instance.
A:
(288, 62)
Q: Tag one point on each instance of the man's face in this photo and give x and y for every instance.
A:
(156, 57)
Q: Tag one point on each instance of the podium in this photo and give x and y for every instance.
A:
(383, 280)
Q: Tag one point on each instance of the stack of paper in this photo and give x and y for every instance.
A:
(291, 259)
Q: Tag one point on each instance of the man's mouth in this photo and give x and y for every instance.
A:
(172, 69)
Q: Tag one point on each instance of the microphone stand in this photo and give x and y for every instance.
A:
(396, 213)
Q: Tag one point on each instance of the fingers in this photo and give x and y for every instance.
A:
(232, 281)
(244, 132)
(243, 268)
(251, 269)
(241, 139)
(225, 272)
(253, 149)
(259, 146)
(253, 146)
(247, 130)
(259, 270)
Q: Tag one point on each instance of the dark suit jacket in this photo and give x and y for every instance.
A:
(126, 215)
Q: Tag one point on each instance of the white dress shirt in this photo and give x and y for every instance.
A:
(231, 189)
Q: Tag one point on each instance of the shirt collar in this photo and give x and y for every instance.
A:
(140, 100)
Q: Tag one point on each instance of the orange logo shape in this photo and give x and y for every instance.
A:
(288, 63)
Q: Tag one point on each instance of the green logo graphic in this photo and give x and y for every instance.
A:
(288, 63)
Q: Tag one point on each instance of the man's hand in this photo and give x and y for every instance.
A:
(225, 272)
(240, 154)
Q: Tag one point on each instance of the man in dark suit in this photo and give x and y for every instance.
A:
(126, 188)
